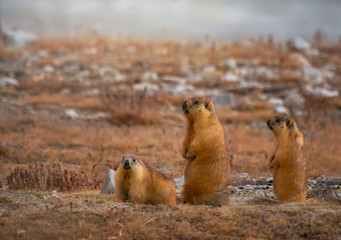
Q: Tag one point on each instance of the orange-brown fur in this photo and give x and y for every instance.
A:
(143, 184)
(207, 169)
(288, 162)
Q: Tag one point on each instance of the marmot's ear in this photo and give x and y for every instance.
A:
(208, 105)
(290, 124)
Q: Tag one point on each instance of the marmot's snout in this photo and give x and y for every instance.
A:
(126, 165)
(184, 107)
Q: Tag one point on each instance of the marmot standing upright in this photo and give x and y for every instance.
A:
(140, 183)
(207, 169)
(288, 162)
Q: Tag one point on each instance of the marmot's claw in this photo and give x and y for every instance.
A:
(191, 158)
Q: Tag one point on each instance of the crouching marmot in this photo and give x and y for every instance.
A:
(288, 162)
(207, 170)
(140, 183)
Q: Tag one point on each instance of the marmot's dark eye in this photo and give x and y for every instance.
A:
(134, 160)
(278, 120)
(196, 102)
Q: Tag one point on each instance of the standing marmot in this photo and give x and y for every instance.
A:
(288, 163)
(207, 170)
(140, 183)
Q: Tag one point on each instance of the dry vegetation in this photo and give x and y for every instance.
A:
(88, 215)
(42, 148)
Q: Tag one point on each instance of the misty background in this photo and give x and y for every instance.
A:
(178, 19)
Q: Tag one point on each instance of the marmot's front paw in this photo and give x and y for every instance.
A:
(190, 156)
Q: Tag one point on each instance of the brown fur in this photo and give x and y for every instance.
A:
(207, 169)
(143, 184)
(288, 162)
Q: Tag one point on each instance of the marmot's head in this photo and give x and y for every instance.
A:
(284, 128)
(198, 106)
(130, 162)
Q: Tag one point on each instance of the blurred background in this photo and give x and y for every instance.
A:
(227, 20)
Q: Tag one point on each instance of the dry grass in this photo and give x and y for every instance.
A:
(92, 216)
(130, 108)
(52, 178)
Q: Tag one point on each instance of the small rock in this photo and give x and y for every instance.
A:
(259, 193)
(209, 69)
(250, 84)
(178, 190)
(249, 187)
(270, 180)
(108, 185)
(270, 195)
(150, 76)
(266, 73)
(179, 181)
(54, 194)
(262, 181)
(224, 100)
(263, 187)
(299, 44)
(241, 175)
(334, 187)
(48, 68)
(230, 77)
(311, 182)
(71, 113)
(7, 81)
(276, 101)
(228, 64)
(316, 75)
(17, 38)
(294, 100)
(321, 179)
(92, 92)
(322, 92)
(282, 110)
(339, 195)
(335, 181)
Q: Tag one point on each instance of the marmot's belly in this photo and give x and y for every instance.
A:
(211, 177)
(289, 186)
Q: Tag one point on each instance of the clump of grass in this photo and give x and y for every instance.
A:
(40, 177)
(129, 108)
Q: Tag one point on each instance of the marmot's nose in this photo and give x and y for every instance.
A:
(269, 124)
(184, 107)
(126, 165)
